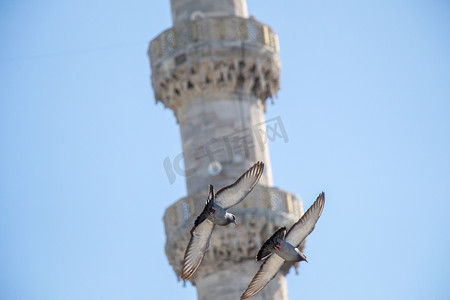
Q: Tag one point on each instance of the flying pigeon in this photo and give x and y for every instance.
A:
(215, 213)
(281, 247)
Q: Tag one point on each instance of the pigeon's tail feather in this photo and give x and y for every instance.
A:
(268, 247)
(210, 194)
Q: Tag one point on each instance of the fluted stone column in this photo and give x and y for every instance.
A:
(214, 69)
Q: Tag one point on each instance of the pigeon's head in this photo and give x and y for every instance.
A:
(303, 257)
(231, 218)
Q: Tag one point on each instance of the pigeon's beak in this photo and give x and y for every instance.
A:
(306, 260)
(234, 223)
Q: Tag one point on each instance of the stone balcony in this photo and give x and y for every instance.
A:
(214, 56)
(259, 215)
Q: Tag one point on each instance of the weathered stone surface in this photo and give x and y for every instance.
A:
(230, 130)
(236, 277)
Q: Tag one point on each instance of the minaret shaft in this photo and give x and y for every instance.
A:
(223, 130)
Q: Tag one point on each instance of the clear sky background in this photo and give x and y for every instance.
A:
(365, 100)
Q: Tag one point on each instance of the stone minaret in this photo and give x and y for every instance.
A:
(214, 69)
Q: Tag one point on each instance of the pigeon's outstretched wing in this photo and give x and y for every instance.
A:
(300, 230)
(266, 273)
(233, 194)
(196, 248)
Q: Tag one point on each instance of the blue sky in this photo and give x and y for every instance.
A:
(365, 100)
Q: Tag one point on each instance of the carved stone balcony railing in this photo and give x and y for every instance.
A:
(227, 28)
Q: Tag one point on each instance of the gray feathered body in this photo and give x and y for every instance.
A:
(219, 216)
(288, 252)
(279, 245)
